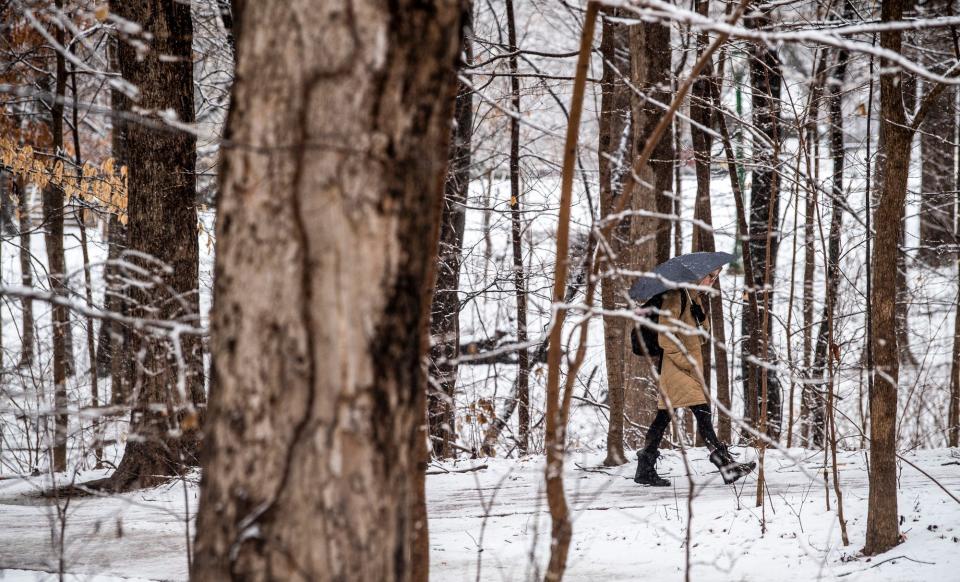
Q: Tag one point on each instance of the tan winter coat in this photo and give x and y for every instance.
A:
(681, 376)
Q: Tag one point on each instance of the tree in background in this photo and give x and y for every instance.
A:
(938, 176)
(165, 373)
(703, 238)
(614, 157)
(764, 236)
(53, 237)
(445, 312)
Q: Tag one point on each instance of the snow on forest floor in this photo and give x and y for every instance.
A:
(621, 531)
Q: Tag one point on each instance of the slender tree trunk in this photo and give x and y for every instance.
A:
(113, 336)
(821, 350)
(658, 85)
(614, 159)
(95, 400)
(445, 316)
(766, 79)
(953, 406)
(56, 265)
(313, 431)
(26, 274)
(953, 413)
(167, 373)
(750, 379)
(558, 408)
(7, 203)
(703, 239)
(909, 84)
(519, 280)
(895, 136)
(88, 286)
(812, 404)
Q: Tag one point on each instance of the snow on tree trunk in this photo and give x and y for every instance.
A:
(764, 236)
(327, 244)
(614, 161)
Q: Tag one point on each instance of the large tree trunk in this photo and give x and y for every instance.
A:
(313, 465)
(764, 237)
(614, 160)
(895, 136)
(56, 264)
(445, 313)
(637, 235)
(167, 372)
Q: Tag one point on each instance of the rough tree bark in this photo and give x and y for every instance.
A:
(765, 81)
(313, 468)
(895, 135)
(445, 312)
(636, 237)
(613, 160)
(167, 373)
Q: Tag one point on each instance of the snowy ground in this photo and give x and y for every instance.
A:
(621, 531)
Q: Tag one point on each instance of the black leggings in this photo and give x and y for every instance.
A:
(704, 426)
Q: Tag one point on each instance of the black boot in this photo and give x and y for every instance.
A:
(730, 470)
(646, 473)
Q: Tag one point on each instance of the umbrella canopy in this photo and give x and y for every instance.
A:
(688, 268)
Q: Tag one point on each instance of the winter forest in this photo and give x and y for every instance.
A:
(479, 290)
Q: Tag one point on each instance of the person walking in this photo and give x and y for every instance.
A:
(684, 330)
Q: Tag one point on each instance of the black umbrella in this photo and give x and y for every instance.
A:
(689, 268)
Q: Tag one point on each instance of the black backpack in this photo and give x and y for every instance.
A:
(644, 339)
